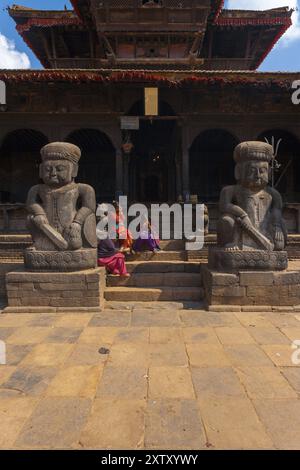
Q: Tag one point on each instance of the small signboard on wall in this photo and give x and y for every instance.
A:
(130, 123)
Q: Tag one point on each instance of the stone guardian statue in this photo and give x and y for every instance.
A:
(251, 229)
(61, 217)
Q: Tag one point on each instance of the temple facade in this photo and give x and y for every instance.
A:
(106, 63)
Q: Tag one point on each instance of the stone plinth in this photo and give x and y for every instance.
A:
(251, 287)
(83, 290)
(63, 261)
(223, 260)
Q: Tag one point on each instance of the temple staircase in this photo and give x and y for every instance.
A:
(167, 275)
(171, 275)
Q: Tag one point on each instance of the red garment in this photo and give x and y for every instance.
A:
(114, 264)
(126, 241)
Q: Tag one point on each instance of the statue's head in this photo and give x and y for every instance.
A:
(253, 164)
(59, 163)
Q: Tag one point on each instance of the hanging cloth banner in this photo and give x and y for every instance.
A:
(151, 101)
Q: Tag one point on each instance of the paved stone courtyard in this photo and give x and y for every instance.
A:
(172, 379)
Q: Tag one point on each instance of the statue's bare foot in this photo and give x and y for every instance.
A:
(232, 247)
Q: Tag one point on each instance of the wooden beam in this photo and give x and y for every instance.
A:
(158, 60)
(110, 53)
(196, 44)
(211, 42)
(54, 55)
(248, 45)
(45, 43)
(92, 44)
(257, 44)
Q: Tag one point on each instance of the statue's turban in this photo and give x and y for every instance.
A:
(253, 151)
(61, 151)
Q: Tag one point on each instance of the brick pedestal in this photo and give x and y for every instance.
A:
(270, 288)
(77, 291)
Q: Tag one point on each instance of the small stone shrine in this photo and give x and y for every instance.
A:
(249, 264)
(61, 266)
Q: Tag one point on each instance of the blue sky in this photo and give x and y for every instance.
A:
(15, 54)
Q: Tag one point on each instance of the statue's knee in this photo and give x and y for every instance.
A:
(29, 223)
(226, 224)
(225, 229)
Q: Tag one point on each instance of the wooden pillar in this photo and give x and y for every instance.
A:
(126, 160)
(178, 179)
(116, 138)
(185, 161)
(119, 171)
(54, 55)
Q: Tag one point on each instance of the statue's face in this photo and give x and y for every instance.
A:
(255, 174)
(57, 172)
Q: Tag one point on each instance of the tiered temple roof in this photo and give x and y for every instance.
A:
(184, 35)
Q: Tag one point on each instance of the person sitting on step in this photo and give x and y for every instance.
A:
(148, 239)
(109, 256)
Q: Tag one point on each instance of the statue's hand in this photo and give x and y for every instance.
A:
(73, 236)
(40, 220)
(246, 223)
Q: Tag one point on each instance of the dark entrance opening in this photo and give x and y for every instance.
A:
(151, 187)
(211, 163)
(98, 164)
(151, 168)
(286, 178)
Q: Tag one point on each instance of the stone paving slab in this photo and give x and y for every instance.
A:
(153, 378)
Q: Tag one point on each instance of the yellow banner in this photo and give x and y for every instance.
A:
(151, 101)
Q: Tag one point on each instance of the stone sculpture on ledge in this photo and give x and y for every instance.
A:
(251, 230)
(61, 217)
(249, 265)
(61, 272)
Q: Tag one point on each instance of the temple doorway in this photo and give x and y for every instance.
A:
(151, 166)
(152, 187)
(211, 164)
(98, 164)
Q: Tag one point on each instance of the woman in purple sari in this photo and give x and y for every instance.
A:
(148, 239)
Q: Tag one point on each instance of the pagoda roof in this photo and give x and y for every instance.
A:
(242, 17)
(278, 19)
(169, 78)
(26, 18)
(29, 19)
(81, 6)
(30, 23)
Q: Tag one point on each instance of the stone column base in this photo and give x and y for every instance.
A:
(73, 291)
(251, 288)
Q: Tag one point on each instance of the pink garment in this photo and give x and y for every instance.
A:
(114, 264)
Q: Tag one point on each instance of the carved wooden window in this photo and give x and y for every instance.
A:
(151, 3)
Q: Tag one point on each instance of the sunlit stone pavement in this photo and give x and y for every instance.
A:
(150, 378)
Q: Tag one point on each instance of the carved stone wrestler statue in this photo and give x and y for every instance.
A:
(251, 230)
(251, 211)
(61, 214)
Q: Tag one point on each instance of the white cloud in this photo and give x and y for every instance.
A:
(10, 58)
(292, 33)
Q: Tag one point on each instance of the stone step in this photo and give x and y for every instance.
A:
(8, 254)
(163, 267)
(155, 305)
(156, 280)
(139, 294)
(172, 245)
(158, 256)
(13, 245)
